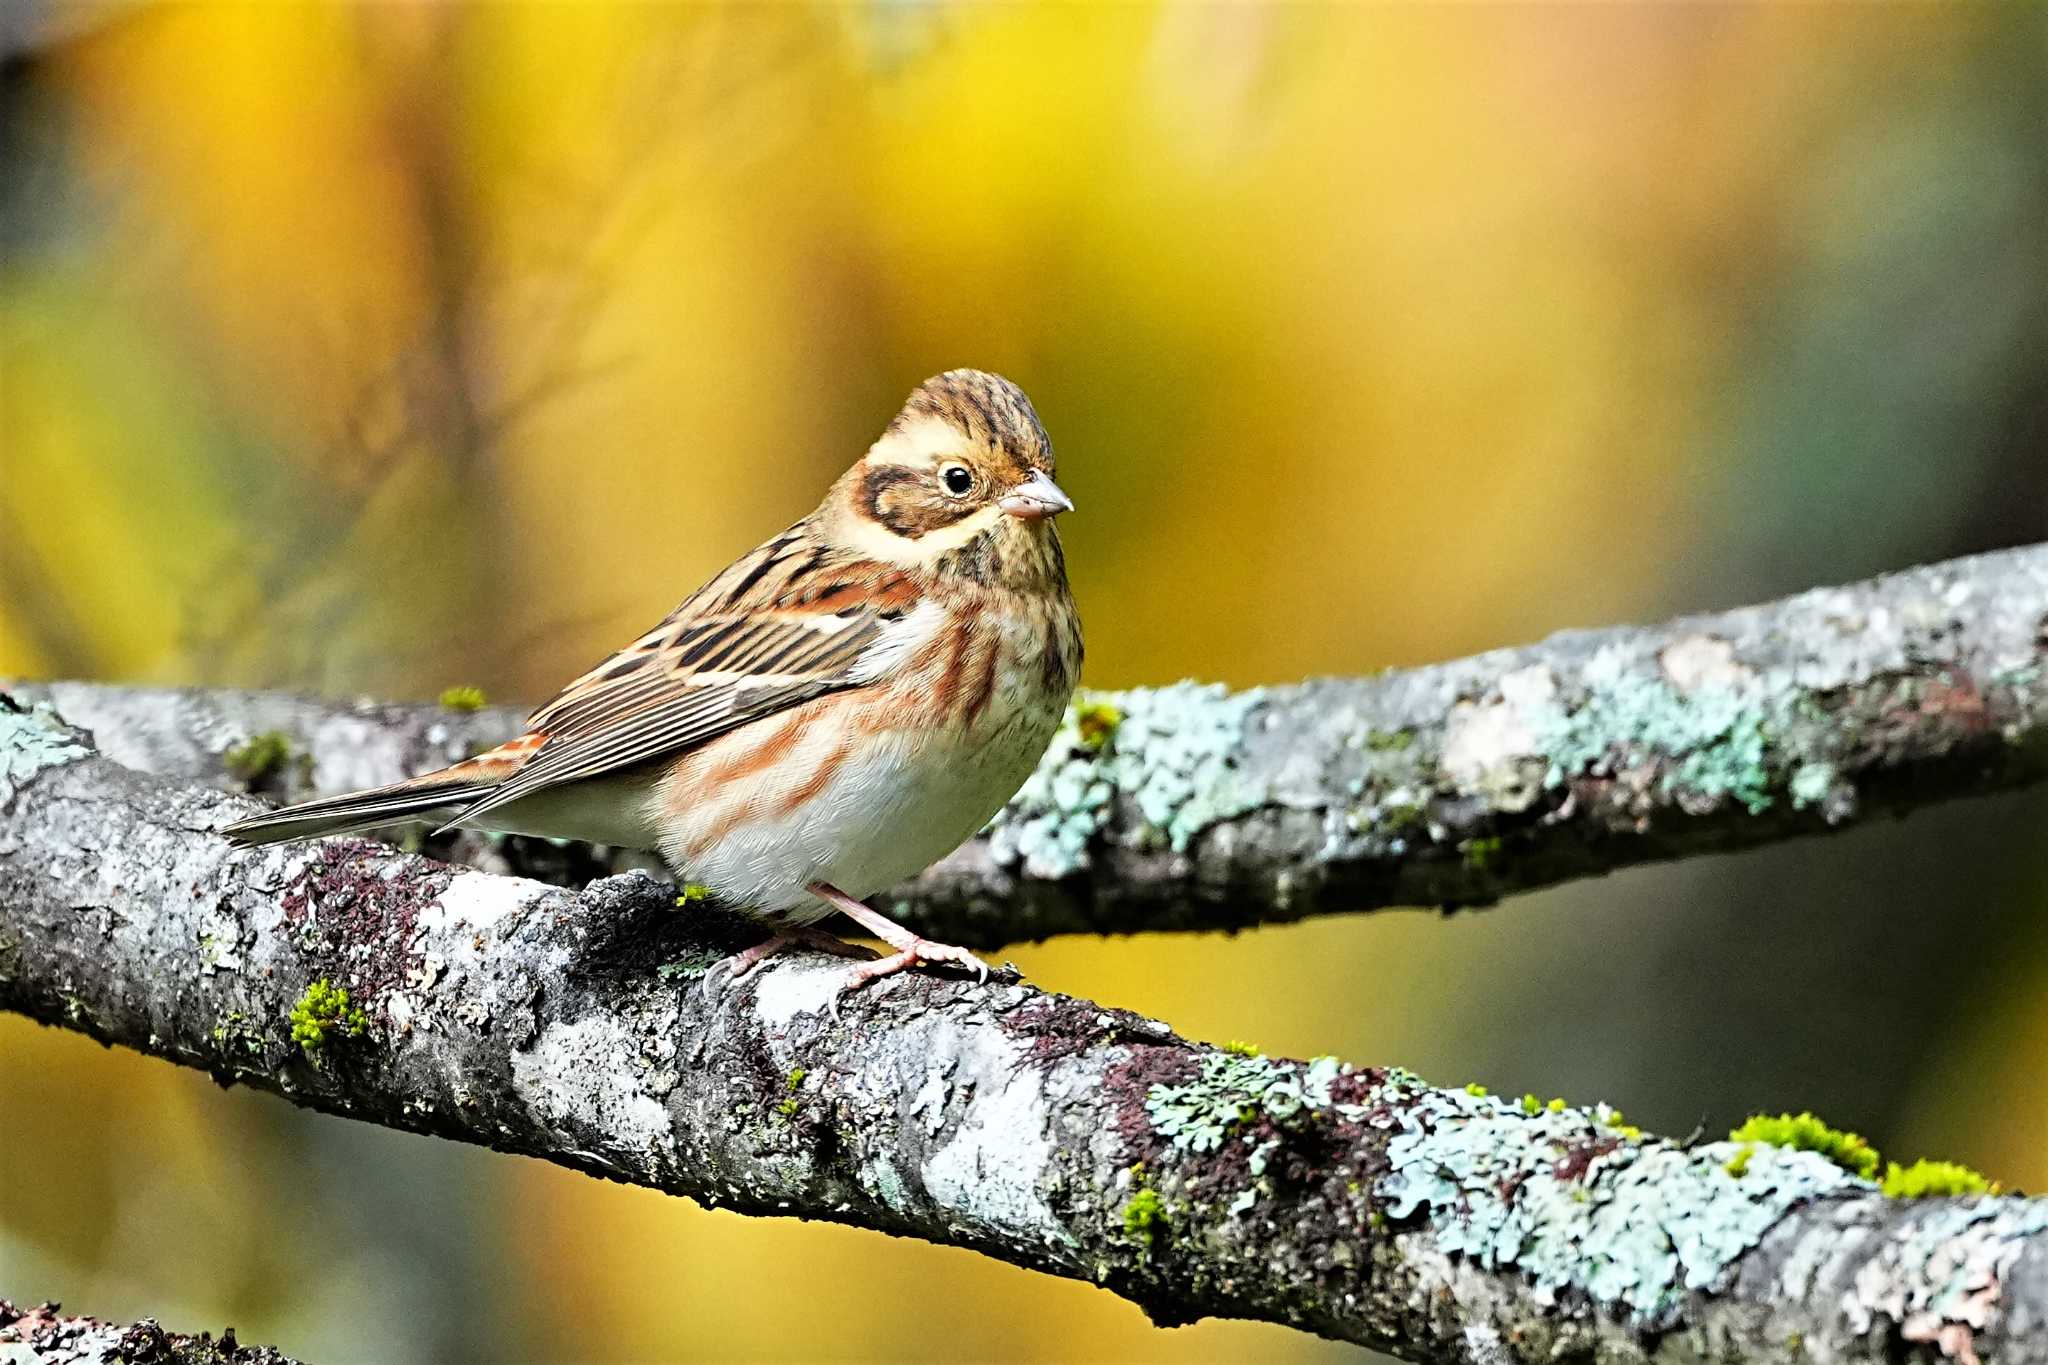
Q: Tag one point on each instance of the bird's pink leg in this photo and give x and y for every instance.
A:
(745, 962)
(910, 949)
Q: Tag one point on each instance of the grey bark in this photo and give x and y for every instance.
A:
(1049, 1132)
(47, 1335)
(1451, 785)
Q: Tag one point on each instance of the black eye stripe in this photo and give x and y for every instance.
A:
(903, 500)
(878, 485)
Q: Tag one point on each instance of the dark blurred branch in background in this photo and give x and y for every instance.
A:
(54, 1337)
(1452, 785)
(1053, 1133)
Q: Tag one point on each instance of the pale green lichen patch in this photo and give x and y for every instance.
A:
(1940, 1282)
(30, 741)
(1171, 751)
(1252, 1104)
(1710, 742)
(1233, 1090)
(691, 964)
(463, 698)
(1812, 784)
(1564, 1197)
(1699, 729)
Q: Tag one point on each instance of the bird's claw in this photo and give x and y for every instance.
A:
(740, 965)
(918, 952)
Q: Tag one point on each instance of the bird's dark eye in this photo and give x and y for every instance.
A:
(957, 479)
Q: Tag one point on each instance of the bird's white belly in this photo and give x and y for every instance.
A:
(905, 799)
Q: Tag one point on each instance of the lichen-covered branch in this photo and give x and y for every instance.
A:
(50, 1336)
(1050, 1132)
(1195, 808)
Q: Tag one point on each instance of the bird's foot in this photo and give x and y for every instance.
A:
(918, 952)
(911, 950)
(747, 961)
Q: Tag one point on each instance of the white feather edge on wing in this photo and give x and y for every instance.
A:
(898, 641)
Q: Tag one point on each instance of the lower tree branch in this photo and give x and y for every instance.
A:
(1195, 808)
(1045, 1131)
(51, 1336)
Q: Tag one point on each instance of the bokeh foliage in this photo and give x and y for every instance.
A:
(391, 348)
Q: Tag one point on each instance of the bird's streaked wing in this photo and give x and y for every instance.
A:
(722, 660)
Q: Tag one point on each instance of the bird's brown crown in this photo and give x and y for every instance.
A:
(987, 411)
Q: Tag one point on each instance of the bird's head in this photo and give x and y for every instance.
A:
(960, 482)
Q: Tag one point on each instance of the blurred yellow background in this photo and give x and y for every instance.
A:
(378, 349)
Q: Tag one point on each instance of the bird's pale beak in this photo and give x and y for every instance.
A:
(1035, 499)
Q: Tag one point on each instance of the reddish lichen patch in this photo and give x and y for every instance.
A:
(1949, 711)
(355, 909)
(1060, 1027)
(1359, 1086)
(1580, 1156)
(1129, 1081)
(1956, 702)
(1309, 1137)
(1330, 1148)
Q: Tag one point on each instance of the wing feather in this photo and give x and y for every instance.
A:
(714, 665)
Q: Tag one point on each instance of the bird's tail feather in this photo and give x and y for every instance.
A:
(400, 803)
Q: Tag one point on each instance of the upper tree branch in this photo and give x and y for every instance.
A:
(1046, 1131)
(1457, 784)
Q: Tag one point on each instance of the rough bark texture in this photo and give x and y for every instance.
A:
(1191, 807)
(1050, 1132)
(46, 1335)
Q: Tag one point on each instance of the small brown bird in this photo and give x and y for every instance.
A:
(831, 714)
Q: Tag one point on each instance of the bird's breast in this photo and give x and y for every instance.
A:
(865, 788)
(995, 658)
